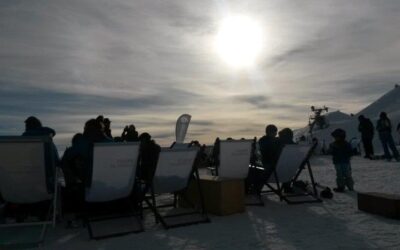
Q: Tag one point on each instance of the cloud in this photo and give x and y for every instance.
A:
(146, 62)
(265, 103)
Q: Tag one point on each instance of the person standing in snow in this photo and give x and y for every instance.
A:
(384, 127)
(366, 128)
(341, 153)
(398, 131)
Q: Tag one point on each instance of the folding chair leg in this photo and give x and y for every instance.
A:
(201, 197)
(55, 198)
(312, 179)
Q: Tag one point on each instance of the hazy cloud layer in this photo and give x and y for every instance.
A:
(147, 62)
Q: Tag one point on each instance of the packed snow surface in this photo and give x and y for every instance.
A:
(333, 224)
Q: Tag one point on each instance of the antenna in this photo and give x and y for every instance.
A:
(317, 118)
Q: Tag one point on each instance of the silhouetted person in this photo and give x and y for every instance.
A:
(215, 152)
(366, 128)
(72, 172)
(100, 119)
(107, 127)
(286, 138)
(384, 127)
(74, 164)
(130, 133)
(195, 144)
(149, 151)
(33, 127)
(148, 158)
(92, 133)
(341, 152)
(398, 131)
(270, 149)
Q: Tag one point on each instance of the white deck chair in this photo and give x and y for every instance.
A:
(113, 178)
(293, 159)
(234, 159)
(28, 176)
(176, 145)
(175, 168)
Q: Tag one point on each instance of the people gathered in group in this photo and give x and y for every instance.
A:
(76, 162)
(77, 159)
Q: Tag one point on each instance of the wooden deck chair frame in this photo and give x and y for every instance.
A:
(49, 163)
(151, 199)
(138, 215)
(312, 196)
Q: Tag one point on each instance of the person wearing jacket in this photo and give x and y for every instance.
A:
(384, 128)
(341, 153)
(366, 128)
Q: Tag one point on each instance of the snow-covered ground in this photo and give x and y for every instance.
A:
(333, 224)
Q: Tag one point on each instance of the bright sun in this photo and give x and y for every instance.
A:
(239, 41)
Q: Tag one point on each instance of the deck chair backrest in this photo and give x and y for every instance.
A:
(23, 169)
(173, 171)
(234, 158)
(290, 160)
(114, 169)
(180, 145)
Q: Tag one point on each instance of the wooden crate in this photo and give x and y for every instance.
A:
(221, 196)
(380, 203)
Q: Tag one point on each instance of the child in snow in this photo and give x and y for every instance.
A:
(341, 152)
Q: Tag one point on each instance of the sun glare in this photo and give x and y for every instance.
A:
(239, 41)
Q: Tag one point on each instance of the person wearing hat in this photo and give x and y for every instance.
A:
(341, 153)
(384, 127)
(33, 127)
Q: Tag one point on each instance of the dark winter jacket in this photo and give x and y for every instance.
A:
(149, 152)
(40, 131)
(270, 149)
(366, 128)
(341, 152)
(384, 125)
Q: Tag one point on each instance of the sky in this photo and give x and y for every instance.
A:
(147, 62)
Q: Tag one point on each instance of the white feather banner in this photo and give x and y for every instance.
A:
(182, 125)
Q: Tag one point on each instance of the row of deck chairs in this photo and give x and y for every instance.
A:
(27, 169)
(235, 155)
(28, 174)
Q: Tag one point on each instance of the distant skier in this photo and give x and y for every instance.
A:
(341, 153)
(384, 127)
(366, 128)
